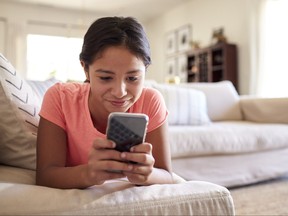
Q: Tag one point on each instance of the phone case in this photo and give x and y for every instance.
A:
(126, 129)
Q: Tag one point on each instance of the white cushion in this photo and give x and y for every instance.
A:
(40, 87)
(222, 100)
(234, 170)
(185, 106)
(226, 137)
(19, 118)
(116, 197)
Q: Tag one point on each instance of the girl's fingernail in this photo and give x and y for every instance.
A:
(130, 167)
(132, 149)
(123, 155)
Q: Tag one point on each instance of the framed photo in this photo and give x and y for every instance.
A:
(182, 67)
(184, 38)
(171, 43)
(171, 67)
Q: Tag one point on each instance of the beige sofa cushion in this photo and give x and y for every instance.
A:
(222, 100)
(265, 110)
(18, 118)
(19, 108)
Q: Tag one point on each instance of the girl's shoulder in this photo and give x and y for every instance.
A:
(70, 88)
(149, 99)
(150, 91)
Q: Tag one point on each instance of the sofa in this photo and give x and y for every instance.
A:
(20, 100)
(219, 136)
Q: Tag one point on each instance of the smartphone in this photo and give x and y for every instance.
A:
(126, 129)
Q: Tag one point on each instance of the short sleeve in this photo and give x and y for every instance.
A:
(51, 107)
(154, 106)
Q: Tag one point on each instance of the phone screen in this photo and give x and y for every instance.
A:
(126, 129)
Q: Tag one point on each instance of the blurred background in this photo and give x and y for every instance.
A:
(43, 38)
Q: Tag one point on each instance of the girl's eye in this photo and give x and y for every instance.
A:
(132, 78)
(105, 78)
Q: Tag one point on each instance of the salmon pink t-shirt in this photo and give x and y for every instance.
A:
(66, 105)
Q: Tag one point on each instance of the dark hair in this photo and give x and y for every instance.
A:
(115, 31)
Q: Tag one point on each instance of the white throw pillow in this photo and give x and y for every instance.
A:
(222, 99)
(40, 87)
(186, 106)
(19, 108)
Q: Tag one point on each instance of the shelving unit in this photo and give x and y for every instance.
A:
(213, 64)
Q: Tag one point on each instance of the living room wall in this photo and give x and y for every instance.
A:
(203, 16)
(236, 17)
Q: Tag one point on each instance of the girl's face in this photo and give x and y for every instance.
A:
(116, 80)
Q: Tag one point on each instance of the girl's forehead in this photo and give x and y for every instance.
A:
(113, 48)
(117, 53)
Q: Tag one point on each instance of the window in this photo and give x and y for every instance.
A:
(273, 74)
(56, 56)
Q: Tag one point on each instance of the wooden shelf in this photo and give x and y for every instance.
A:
(213, 64)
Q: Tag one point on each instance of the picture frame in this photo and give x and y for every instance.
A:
(171, 69)
(184, 38)
(171, 43)
(182, 67)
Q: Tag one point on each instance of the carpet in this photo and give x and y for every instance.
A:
(266, 198)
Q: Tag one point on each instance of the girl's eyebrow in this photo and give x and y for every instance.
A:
(104, 71)
(111, 72)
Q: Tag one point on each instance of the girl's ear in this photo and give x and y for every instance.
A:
(87, 80)
(86, 71)
(87, 76)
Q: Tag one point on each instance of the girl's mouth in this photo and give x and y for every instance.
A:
(119, 103)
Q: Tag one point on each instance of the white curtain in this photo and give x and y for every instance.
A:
(2, 36)
(272, 76)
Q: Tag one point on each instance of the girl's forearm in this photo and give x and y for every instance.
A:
(63, 177)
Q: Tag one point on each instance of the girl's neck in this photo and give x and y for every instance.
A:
(98, 118)
(99, 123)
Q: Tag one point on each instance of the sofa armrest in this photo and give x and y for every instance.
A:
(115, 197)
(264, 110)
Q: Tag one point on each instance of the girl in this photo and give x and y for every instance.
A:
(72, 149)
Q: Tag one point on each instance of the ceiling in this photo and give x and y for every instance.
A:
(142, 9)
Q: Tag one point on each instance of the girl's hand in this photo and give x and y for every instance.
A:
(105, 163)
(144, 163)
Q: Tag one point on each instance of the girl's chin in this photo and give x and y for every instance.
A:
(118, 109)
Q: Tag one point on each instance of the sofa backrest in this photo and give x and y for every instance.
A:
(222, 100)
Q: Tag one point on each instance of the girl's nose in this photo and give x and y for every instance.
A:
(119, 90)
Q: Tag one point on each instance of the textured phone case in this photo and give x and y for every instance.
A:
(122, 136)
